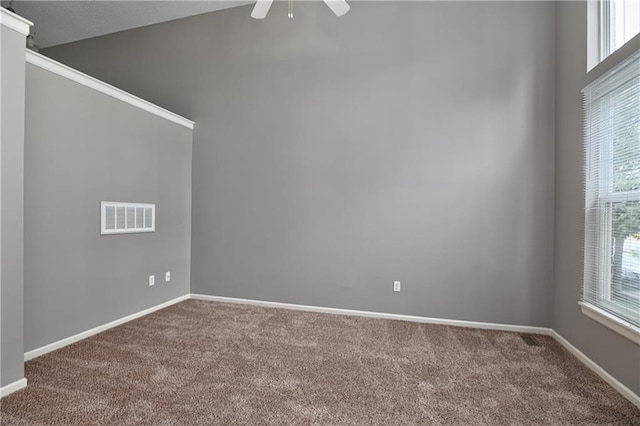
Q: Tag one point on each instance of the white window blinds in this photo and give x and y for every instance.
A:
(612, 198)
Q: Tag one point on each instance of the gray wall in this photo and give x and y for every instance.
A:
(12, 206)
(83, 147)
(616, 354)
(405, 141)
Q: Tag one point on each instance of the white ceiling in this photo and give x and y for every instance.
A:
(59, 22)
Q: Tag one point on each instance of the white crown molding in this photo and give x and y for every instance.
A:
(13, 387)
(77, 337)
(15, 22)
(615, 383)
(369, 314)
(93, 83)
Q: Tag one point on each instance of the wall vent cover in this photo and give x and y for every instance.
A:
(126, 218)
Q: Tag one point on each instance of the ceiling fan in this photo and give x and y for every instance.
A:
(260, 10)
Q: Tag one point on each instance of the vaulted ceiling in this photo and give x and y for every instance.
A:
(60, 22)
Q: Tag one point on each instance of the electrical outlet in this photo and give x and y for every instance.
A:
(152, 280)
(396, 286)
(167, 276)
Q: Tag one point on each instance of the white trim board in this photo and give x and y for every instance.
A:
(13, 387)
(77, 337)
(369, 314)
(15, 22)
(616, 324)
(74, 75)
(615, 383)
(336, 311)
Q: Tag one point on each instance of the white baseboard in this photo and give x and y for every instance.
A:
(72, 339)
(369, 314)
(336, 311)
(622, 389)
(12, 387)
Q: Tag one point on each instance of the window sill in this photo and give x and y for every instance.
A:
(616, 324)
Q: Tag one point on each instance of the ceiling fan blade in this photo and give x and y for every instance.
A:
(261, 9)
(339, 7)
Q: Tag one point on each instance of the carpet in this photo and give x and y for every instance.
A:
(205, 363)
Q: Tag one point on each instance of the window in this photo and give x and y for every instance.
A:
(619, 23)
(124, 218)
(612, 214)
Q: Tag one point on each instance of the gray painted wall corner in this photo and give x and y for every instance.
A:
(83, 147)
(259, 180)
(323, 150)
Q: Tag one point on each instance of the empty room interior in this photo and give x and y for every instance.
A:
(319, 212)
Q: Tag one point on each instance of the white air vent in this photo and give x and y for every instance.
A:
(126, 218)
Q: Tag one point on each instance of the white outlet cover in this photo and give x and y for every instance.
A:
(396, 286)
(152, 280)
(167, 276)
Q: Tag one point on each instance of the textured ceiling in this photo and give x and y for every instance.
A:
(59, 22)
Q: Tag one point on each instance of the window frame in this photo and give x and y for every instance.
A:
(599, 192)
(605, 195)
(604, 29)
(611, 321)
(606, 47)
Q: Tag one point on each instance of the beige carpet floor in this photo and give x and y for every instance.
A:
(204, 363)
